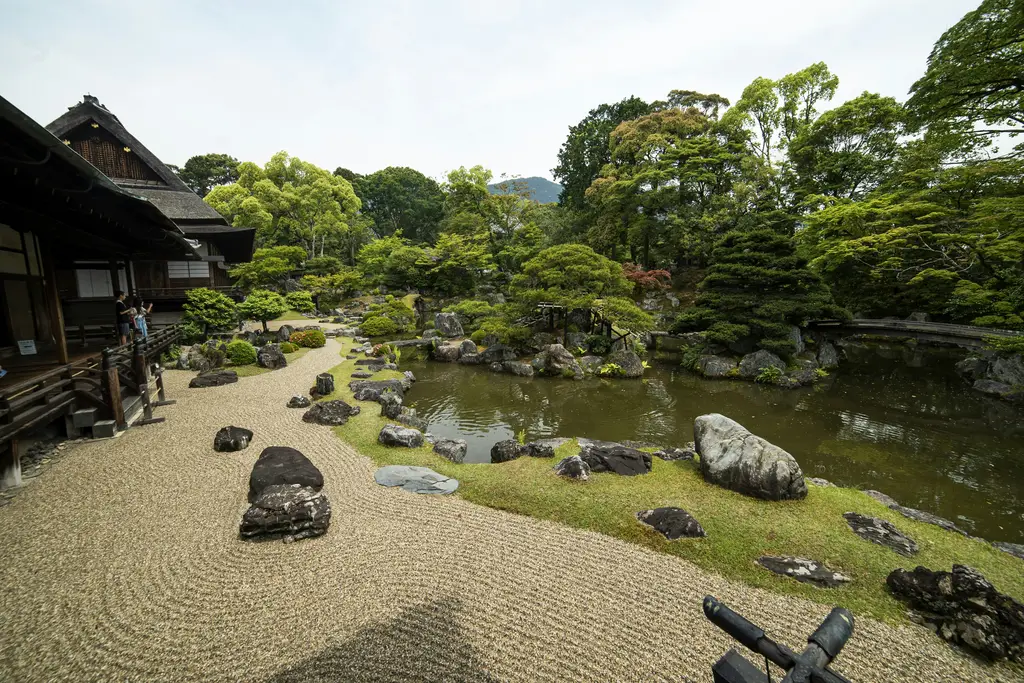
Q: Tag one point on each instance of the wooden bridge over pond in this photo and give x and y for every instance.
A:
(924, 332)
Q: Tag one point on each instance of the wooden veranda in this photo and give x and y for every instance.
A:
(55, 207)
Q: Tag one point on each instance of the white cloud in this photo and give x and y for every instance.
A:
(430, 85)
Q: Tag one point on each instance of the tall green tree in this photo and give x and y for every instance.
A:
(204, 172)
(848, 151)
(586, 150)
(292, 202)
(757, 289)
(974, 84)
(269, 267)
(399, 198)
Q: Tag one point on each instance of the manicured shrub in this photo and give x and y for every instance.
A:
(394, 310)
(310, 339)
(300, 301)
(288, 347)
(241, 352)
(378, 327)
(262, 305)
(207, 309)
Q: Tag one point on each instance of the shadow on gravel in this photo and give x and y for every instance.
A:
(424, 643)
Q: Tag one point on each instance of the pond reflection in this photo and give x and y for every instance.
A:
(894, 419)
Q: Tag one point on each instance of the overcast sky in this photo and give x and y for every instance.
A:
(430, 84)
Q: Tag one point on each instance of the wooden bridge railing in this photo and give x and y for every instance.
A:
(95, 382)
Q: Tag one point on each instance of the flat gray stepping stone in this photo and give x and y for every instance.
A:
(881, 532)
(1015, 549)
(553, 443)
(415, 479)
(804, 571)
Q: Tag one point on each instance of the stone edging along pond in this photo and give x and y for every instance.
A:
(740, 529)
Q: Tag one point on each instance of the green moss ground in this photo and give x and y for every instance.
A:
(292, 315)
(740, 529)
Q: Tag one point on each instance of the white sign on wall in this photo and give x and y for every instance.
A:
(27, 347)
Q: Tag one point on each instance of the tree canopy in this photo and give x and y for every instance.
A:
(402, 199)
(204, 172)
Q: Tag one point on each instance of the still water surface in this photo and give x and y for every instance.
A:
(892, 419)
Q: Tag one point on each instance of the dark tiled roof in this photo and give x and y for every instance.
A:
(178, 205)
(175, 199)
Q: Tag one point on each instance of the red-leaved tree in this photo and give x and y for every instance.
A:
(647, 280)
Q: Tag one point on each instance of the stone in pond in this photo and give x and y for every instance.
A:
(330, 413)
(415, 479)
(409, 376)
(517, 368)
(881, 532)
(573, 467)
(733, 458)
(451, 449)
(370, 390)
(283, 465)
(603, 456)
(804, 570)
(466, 347)
(390, 404)
(213, 378)
(506, 450)
(672, 523)
(964, 608)
(299, 402)
(917, 515)
(409, 418)
(393, 435)
(630, 363)
(819, 482)
(448, 325)
(231, 439)
(715, 366)
(1015, 549)
(287, 511)
(271, 356)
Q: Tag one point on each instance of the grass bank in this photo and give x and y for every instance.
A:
(740, 529)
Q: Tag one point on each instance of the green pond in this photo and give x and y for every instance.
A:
(894, 419)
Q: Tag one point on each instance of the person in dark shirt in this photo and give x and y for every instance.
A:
(122, 313)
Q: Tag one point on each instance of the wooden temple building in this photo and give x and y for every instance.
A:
(86, 285)
(59, 215)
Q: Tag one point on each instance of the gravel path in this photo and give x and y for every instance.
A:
(122, 563)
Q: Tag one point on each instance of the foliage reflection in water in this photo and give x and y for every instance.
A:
(894, 419)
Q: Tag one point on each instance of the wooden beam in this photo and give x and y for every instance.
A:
(10, 464)
(56, 310)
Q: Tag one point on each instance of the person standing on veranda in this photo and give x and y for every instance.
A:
(141, 311)
(122, 317)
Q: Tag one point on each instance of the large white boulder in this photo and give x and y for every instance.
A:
(733, 458)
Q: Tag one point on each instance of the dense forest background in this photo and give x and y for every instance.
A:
(782, 204)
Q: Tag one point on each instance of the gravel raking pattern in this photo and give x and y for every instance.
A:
(123, 563)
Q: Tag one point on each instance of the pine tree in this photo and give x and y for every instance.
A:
(758, 288)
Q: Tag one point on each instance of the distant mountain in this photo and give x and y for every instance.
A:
(541, 189)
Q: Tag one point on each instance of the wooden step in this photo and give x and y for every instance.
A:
(104, 429)
(84, 418)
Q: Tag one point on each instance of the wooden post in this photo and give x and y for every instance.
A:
(139, 368)
(112, 389)
(10, 464)
(56, 310)
(115, 280)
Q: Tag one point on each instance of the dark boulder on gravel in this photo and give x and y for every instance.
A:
(231, 439)
(287, 511)
(283, 465)
(299, 402)
(213, 378)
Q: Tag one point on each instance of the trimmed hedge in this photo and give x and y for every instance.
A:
(288, 347)
(378, 327)
(241, 352)
(310, 339)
